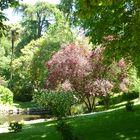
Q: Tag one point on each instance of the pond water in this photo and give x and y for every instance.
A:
(9, 118)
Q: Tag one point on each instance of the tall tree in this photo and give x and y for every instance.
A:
(29, 71)
(35, 20)
(115, 22)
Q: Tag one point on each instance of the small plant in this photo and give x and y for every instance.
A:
(129, 106)
(15, 127)
(65, 130)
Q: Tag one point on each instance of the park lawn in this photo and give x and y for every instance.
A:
(113, 125)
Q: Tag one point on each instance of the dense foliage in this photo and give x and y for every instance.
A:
(29, 71)
(36, 20)
(116, 21)
(57, 102)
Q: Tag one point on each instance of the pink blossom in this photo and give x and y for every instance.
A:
(123, 87)
(124, 84)
(126, 81)
(66, 86)
(100, 87)
(75, 69)
(121, 63)
(108, 38)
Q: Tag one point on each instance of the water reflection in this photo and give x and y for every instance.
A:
(9, 118)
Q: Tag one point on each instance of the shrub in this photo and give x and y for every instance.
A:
(6, 96)
(58, 102)
(15, 127)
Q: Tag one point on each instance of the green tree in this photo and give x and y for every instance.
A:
(29, 69)
(113, 22)
(35, 21)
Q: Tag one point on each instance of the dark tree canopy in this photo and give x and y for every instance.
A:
(115, 23)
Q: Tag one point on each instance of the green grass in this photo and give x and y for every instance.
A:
(114, 125)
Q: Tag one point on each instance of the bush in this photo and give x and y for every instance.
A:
(15, 127)
(58, 102)
(6, 96)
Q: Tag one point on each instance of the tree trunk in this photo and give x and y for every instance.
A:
(90, 103)
(12, 55)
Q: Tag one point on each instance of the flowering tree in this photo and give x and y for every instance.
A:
(76, 67)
